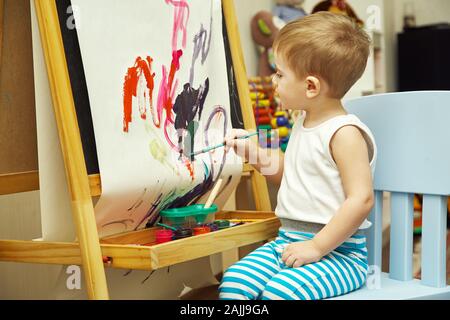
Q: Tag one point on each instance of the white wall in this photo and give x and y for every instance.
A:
(245, 10)
(20, 220)
(390, 45)
(426, 12)
(359, 6)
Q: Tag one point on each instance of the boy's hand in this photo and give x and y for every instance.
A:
(301, 253)
(242, 147)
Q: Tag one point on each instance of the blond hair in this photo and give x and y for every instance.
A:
(292, 3)
(329, 46)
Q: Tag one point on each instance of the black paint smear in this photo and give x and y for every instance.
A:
(122, 222)
(194, 195)
(138, 201)
(188, 104)
(153, 218)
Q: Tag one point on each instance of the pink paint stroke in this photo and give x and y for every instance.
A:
(180, 20)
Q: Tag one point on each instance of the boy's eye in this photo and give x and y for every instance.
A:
(276, 76)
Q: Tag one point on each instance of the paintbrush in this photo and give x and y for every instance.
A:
(221, 144)
(166, 226)
(213, 194)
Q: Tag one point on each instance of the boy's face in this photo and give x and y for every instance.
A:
(292, 91)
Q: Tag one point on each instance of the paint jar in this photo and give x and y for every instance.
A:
(163, 235)
(213, 226)
(190, 216)
(222, 224)
(201, 230)
(182, 233)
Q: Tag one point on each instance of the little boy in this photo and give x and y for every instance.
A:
(326, 189)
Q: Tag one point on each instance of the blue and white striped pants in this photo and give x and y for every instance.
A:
(263, 275)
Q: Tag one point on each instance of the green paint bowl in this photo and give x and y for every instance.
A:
(190, 216)
(222, 224)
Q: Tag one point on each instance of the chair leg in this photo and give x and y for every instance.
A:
(434, 232)
(400, 266)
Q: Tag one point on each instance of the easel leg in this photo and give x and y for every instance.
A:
(76, 173)
(2, 12)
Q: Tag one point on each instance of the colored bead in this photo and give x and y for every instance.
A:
(273, 122)
(283, 132)
(282, 121)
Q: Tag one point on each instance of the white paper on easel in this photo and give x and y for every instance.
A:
(155, 70)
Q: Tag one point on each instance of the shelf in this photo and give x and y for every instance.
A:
(138, 250)
(19, 182)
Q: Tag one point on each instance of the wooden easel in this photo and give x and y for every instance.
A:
(2, 6)
(89, 249)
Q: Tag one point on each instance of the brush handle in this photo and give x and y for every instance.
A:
(223, 144)
(166, 226)
(213, 194)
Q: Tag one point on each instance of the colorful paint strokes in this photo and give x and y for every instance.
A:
(159, 93)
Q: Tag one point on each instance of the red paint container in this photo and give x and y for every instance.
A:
(163, 235)
(201, 230)
(107, 259)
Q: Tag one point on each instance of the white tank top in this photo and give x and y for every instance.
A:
(311, 189)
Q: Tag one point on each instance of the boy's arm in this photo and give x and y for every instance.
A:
(349, 151)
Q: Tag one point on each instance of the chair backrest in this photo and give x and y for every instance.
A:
(412, 133)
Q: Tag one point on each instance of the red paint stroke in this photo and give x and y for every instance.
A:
(141, 67)
(168, 84)
(188, 164)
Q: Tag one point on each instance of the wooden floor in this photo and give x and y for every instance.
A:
(207, 293)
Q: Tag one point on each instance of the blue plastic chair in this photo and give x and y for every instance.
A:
(412, 132)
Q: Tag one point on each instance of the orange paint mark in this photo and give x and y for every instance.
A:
(189, 166)
(141, 67)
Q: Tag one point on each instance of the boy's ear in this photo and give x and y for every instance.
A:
(312, 87)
